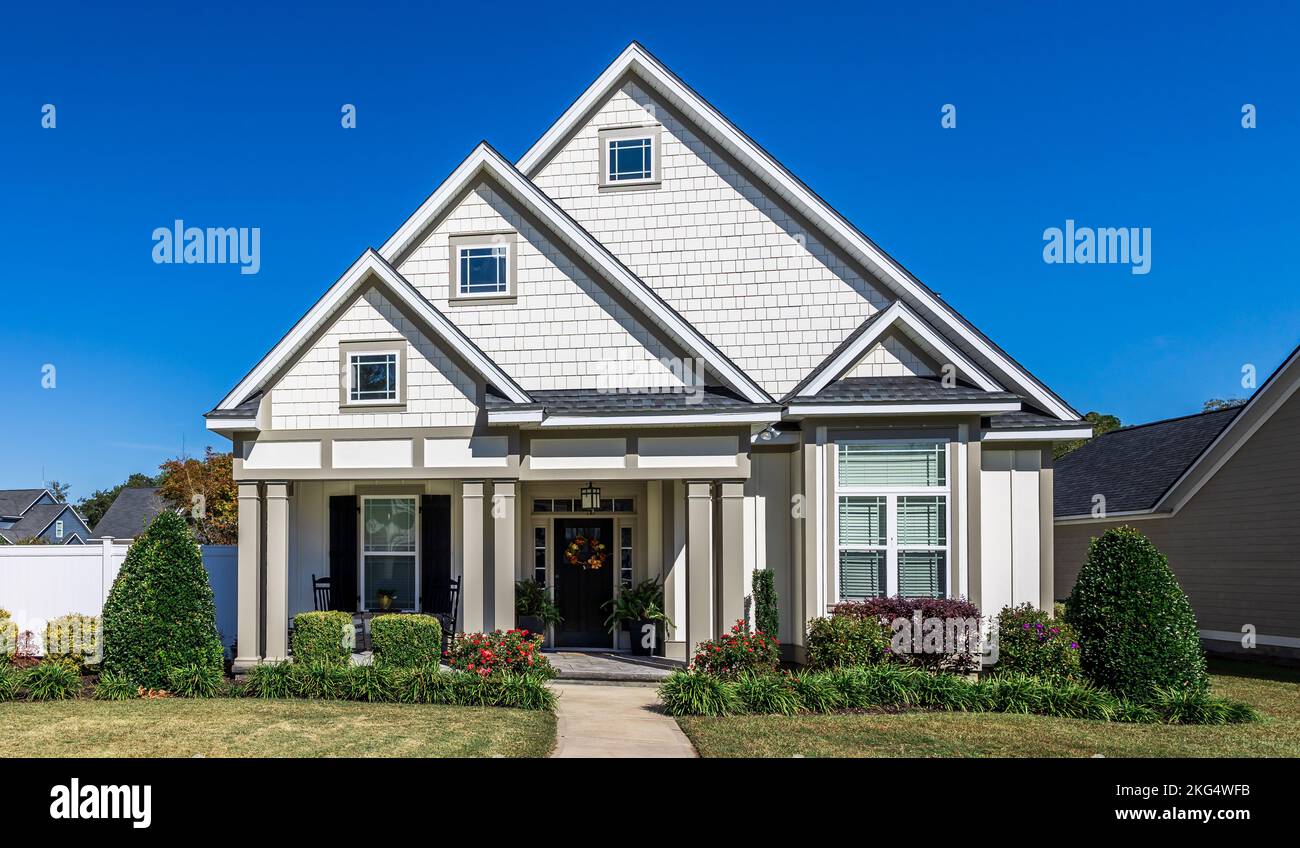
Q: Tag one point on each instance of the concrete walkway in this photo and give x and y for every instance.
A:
(609, 666)
(615, 720)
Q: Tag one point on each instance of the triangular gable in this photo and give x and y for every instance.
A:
(894, 354)
(371, 269)
(484, 160)
(635, 59)
(898, 318)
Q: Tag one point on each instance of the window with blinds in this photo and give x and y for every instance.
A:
(892, 519)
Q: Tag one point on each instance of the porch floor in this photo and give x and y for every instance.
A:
(609, 666)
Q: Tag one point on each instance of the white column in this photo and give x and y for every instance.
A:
(277, 572)
(471, 578)
(504, 555)
(731, 579)
(250, 577)
(699, 565)
(675, 575)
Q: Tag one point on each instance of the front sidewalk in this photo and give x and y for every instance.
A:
(608, 720)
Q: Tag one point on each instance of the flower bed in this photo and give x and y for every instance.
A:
(512, 651)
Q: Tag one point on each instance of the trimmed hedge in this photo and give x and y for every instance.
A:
(893, 687)
(75, 637)
(323, 636)
(843, 640)
(1032, 642)
(160, 614)
(8, 635)
(1137, 632)
(767, 614)
(889, 610)
(406, 640)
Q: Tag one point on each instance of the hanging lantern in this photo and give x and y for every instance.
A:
(590, 497)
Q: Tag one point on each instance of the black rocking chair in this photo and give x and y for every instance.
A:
(323, 589)
(448, 619)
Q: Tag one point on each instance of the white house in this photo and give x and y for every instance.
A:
(647, 304)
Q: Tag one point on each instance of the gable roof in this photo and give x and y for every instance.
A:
(635, 59)
(130, 513)
(39, 518)
(1134, 466)
(15, 502)
(485, 160)
(369, 267)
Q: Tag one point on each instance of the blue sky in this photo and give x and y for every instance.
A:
(1110, 115)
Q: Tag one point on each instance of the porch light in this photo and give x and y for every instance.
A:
(590, 497)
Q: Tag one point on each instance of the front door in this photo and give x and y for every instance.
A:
(581, 588)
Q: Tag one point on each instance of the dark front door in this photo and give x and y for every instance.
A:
(579, 591)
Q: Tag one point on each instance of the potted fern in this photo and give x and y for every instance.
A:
(534, 611)
(637, 608)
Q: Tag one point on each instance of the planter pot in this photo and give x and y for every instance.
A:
(636, 631)
(532, 624)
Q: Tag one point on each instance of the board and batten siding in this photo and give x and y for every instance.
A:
(1235, 546)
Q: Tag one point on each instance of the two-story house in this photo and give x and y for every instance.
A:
(35, 515)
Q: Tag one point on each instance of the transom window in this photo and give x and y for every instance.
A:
(892, 519)
(373, 377)
(630, 159)
(574, 505)
(484, 269)
(389, 574)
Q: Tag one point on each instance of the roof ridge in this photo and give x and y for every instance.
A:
(1128, 427)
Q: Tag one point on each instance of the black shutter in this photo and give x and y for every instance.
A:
(343, 553)
(435, 554)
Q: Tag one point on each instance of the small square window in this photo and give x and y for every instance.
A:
(484, 269)
(373, 377)
(631, 159)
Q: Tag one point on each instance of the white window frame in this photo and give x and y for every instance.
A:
(58, 529)
(651, 135)
(545, 527)
(891, 495)
(461, 282)
(648, 143)
(397, 378)
(362, 553)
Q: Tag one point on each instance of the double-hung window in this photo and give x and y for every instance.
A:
(373, 377)
(891, 518)
(389, 572)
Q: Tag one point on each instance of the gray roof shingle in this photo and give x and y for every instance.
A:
(129, 514)
(607, 402)
(1134, 466)
(13, 502)
(1029, 420)
(901, 390)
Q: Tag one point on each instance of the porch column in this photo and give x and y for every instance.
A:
(699, 565)
(277, 572)
(504, 554)
(471, 578)
(249, 614)
(675, 572)
(731, 577)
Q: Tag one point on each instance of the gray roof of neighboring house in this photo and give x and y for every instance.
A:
(14, 502)
(129, 514)
(901, 390)
(605, 401)
(1134, 466)
(37, 519)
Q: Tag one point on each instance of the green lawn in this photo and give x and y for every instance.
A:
(1275, 692)
(228, 727)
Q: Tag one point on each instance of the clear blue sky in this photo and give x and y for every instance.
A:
(228, 115)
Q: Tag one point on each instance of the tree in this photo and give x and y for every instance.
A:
(1137, 631)
(205, 491)
(93, 506)
(1216, 404)
(160, 614)
(59, 490)
(1101, 424)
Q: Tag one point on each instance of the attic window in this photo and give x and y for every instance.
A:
(630, 158)
(372, 377)
(482, 266)
(58, 529)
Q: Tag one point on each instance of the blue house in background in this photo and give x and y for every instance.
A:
(26, 514)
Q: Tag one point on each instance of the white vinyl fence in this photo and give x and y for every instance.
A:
(41, 582)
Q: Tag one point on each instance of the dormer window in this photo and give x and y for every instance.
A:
(482, 266)
(374, 374)
(629, 157)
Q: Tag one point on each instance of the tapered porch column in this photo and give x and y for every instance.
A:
(503, 555)
(277, 572)
(699, 565)
(471, 578)
(249, 618)
(731, 577)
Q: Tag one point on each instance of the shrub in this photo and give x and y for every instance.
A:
(842, 640)
(1188, 706)
(74, 637)
(738, 652)
(522, 691)
(767, 693)
(695, 693)
(270, 680)
(406, 641)
(10, 681)
(8, 635)
(903, 616)
(816, 692)
(195, 681)
(52, 680)
(373, 683)
(324, 636)
(767, 613)
(115, 687)
(322, 679)
(427, 684)
(160, 614)
(1137, 633)
(492, 653)
(1031, 642)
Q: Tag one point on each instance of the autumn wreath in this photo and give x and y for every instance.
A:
(585, 553)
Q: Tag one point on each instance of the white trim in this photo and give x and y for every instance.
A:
(414, 555)
(486, 160)
(75, 535)
(1260, 639)
(43, 493)
(228, 424)
(632, 420)
(397, 378)
(897, 314)
(1131, 515)
(371, 265)
(515, 416)
(635, 58)
(1055, 435)
(968, 408)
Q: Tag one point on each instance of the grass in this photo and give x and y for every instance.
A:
(1274, 691)
(246, 727)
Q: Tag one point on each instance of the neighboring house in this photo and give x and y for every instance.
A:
(649, 305)
(35, 513)
(131, 512)
(1219, 494)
